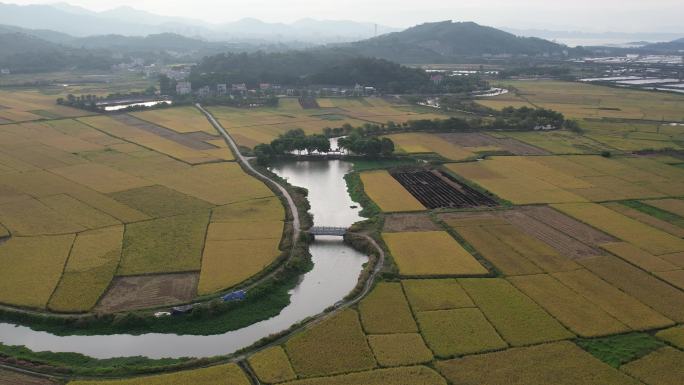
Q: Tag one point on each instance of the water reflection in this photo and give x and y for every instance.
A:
(335, 273)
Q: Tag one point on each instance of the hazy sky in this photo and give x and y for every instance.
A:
(587, 15)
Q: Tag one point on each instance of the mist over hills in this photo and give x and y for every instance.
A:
(128, 21)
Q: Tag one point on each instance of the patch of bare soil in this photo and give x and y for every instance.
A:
(398, 223)
(572, 227)
(141, 292)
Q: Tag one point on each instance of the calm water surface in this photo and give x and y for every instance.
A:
(335, 273)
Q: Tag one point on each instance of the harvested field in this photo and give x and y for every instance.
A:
(40, 258)
(229, 263)
(574, 311)
(387, 193)
(674, 336)
(518, 319)
(443, 257)
(336, 345)
(414, 375)
(214, 375)
(623, 307)
(397, 223)
(568, 225)
(385, 302)
(178, 250)
(651, 291)
(662, 367)
(435, 189)
(570, 238)
(473, 141)
(399, 349)
(457, 332)
(8, 377)
(272, 365)
(131, 293)
(560, 363)
(435, 294)
(90, 268)
(627, 229)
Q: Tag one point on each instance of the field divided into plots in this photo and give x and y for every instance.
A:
(250, 127)
(613, 118)
(462, 146)
(22, 106)
(569, 179)
(86, 201)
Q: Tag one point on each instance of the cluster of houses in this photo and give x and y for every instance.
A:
(241, 89)
(4, 71)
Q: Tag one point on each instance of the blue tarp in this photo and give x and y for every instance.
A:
(235, 296)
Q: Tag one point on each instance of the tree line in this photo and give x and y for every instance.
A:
(296, 141)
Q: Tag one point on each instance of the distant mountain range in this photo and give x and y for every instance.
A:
(128, 21)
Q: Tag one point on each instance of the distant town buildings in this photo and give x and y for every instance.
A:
(204, 92)
(4, 71)
(239, 87)
(437, 79)
(183, 88)
(221, 89)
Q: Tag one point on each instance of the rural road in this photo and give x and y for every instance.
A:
(367, 285)
(245, 163)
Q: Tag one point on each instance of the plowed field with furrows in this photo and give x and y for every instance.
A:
(436, 190)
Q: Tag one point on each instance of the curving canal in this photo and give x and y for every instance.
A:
(335, 273)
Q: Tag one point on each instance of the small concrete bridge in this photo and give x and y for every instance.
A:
(332, 231)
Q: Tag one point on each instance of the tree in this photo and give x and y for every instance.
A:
(264, 153)
(386, 146)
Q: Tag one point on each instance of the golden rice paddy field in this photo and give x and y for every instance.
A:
(614, 118)
(387, 193)
(23, 106)
(573, 179)
(262, 125)
(85, 201)
(487, 296)
(444, 256)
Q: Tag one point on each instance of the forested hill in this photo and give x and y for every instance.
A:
(323, 66)
(445, 41)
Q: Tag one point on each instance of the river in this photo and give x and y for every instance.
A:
(335, 273)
